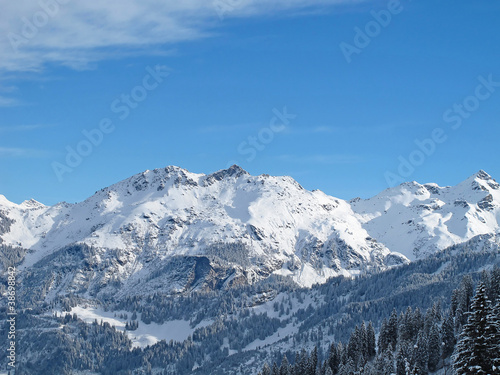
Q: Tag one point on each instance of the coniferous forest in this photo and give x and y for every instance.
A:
(435, 315)
(464, 339)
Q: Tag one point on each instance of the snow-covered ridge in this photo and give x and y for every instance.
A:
(262, 224)
(420, 219)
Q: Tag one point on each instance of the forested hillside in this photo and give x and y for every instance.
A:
(236, 331)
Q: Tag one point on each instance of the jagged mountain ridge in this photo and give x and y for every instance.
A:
(275, 225)
(418, 220)
(169, 212)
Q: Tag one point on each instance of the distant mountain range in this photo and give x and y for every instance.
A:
(249, 227)
(172, 272)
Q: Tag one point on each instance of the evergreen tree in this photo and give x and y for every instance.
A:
(384, 363)
(434, 347)
(392, 330)
(388, 336)
(285, 367)
(403, 357)
(301, 366)
(406, 327)
(347, 368)
(333, 358)
(493, 335)
(475, 353)
(275, 370)
(421, 355)
(370, 342)
(363, 344)
(448, 337)
(383, 337)
(494, 293)
(313, 362)
(466, 291)
(354, 347)
(296, 364)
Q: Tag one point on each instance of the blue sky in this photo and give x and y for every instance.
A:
(266, 86)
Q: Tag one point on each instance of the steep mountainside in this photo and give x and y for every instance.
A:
(202, 260)
(249, 227)
(259, 224)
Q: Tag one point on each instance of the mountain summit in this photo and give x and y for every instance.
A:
(420, 219)
(249, 227)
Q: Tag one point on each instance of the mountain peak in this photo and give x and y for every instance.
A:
(481, 181)
(5, 202)
(482, 175)
(31, 203)
(232, 171)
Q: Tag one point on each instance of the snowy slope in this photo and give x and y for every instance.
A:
(272, 225)
(280, 226)
(419, 219)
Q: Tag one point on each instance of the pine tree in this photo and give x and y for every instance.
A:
(301, 366)
(388, 336)
(370, 342)
(313, 362)
(392, 329)
(334, 358)
(403, 357)
(363, 344)
(474, 351)
(421, 355)
(347, 368)
(276, 370)
(285, 366)
(494, 334)
(448, 337)
(354, 349)
(383, 337)
(405, 326)
(434, 347)
(466, 291)
(384, 363)
(494, 292)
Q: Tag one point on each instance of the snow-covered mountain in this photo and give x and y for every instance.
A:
(258, 224)
(417, 220)
(172, 255)
(274, 224)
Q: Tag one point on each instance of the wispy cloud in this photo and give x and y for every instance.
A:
(8, 102)
(322, 159)
(22, 128)
(25, 153)
(349, 129)
(78, 33)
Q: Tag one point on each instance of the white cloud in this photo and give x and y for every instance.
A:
(21, 128)
(78, 33)
(12, 152)
(8, 102)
